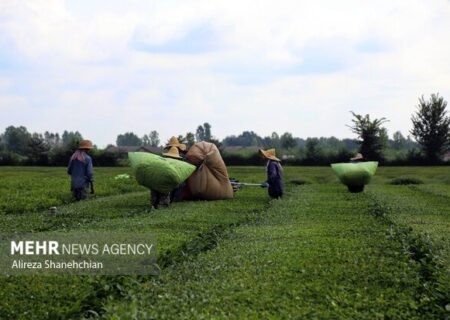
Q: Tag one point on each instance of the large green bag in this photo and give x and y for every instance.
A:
(355, 174)
(158, 173)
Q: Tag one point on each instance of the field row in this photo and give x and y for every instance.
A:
(320, 252)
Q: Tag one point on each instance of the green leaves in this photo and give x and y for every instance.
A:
(372, 136)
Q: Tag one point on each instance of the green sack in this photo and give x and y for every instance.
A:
(158, 173)
(355, 174)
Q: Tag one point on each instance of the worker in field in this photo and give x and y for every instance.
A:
(174, 142)
(160, 199)
(357, 158)
(274, 173)
(81, 171)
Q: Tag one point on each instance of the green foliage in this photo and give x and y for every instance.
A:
(372, 136)
(318, 255)
(128, 139)
(200, 134)
(287, 141)
(38, 149)
(246, 139)
(71, 139)
(203, 133)
(431, 127)
(154, 138)
(190, 139)
(27, 190)
(405, 181)
(158, 173)
(313, 150)
(321, 252)
(16, 139)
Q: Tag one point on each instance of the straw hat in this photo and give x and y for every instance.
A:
(172, 153)
(85, 144)
(173, 142)
(358, 156)
(269, 154)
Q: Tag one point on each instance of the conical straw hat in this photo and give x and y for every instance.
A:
(269, 154)
(85, 144)
(173, 142)
(173, 153)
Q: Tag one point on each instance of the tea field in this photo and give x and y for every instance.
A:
(319, 253)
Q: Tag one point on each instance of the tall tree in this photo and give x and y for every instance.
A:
(52, 139)
(399, 140)
(207, 130)
(431, 127)
(16, 139)
(245, 139)
(372, 136)
(38, 148)
(71, 138)
(313, 148)
(200, 134)
(190, 139)
(275, 140)
(287, 141)
(145, 140)
(128, 139)
(154, 138)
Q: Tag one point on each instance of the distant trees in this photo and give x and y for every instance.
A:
(128, 139)
(203, 133)
(251, 139)
(245, 139)
(16, 139)
(287, 141)
(154, 138)
(273, 140)
(372, 137)
(70, 140)
(38, 149)
(207, 131)
(399, 140)
(431, 130)
(200, 133)
(52, 139)
(190, 139)
(312, 149)
(431, 127)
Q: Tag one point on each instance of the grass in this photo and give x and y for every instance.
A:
(302, 258)
(321, 252)
(31, 189)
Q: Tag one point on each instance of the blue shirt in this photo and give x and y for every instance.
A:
(81, 172)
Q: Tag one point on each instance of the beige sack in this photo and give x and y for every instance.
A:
(210, 181)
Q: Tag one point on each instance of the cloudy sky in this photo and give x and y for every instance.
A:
(107, 67)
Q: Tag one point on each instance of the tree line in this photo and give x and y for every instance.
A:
(428, 141)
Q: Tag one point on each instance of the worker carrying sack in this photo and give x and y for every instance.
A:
(158, 173)
(355, 175)
(210, 181)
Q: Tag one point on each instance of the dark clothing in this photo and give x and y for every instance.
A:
(176, 195)
(159, 199)
(79, 193)
(274, 179)
(81, 174)
(357, 161)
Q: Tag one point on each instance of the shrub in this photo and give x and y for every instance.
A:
(405, 181)
(299, 182)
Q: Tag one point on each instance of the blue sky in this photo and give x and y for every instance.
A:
(106, 67)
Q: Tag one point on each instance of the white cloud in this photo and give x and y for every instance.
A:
(296, 66)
